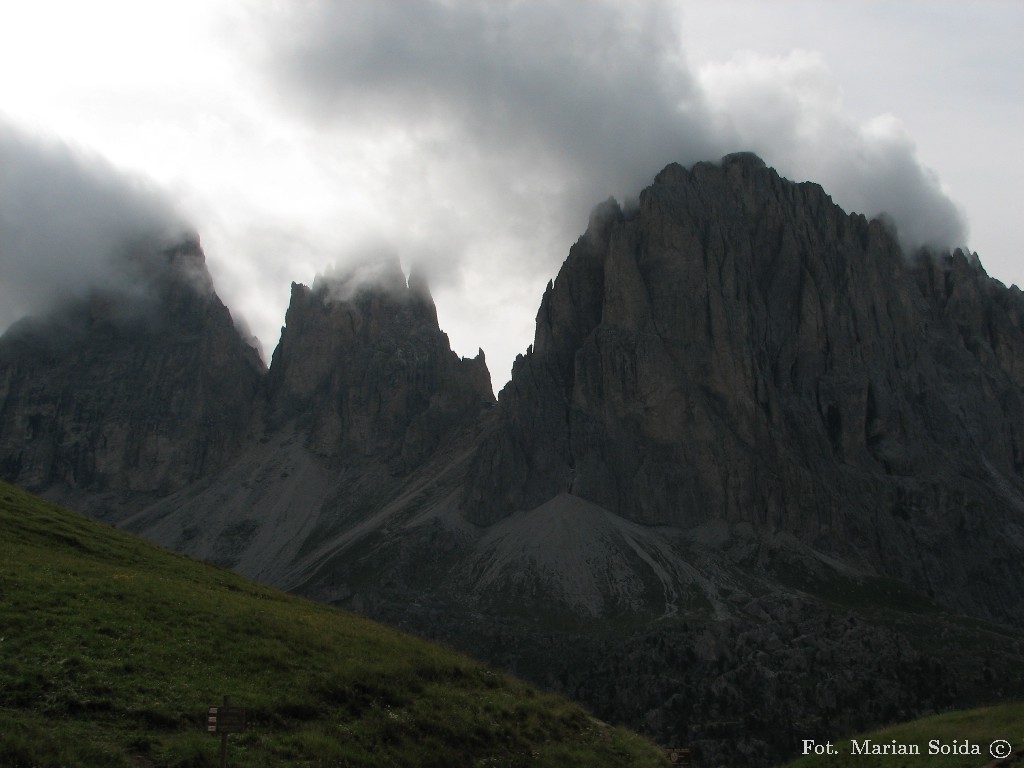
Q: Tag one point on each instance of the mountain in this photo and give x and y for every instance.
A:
(131, 391)
(740, 352)
(115, 661)
(364, 369)
(363, 399)
(759, 475)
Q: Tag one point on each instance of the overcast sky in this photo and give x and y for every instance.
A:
(473, 138)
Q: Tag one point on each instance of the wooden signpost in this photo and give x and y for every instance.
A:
(225, 720)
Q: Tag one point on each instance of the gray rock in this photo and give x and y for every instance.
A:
(366, 372)
(743, 488)
(128, 395)
(742, 350)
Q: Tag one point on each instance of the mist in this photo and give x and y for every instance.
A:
(472, 139)
(789, 109)
(547, 104)
(496, 127)
(67, 220)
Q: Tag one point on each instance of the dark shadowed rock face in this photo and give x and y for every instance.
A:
(365, 371)
(131, 393)
(754, 468)
(742, 350)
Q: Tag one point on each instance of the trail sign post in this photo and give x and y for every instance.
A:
(224, 720)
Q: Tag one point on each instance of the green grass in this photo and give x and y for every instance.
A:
(111, 650)
(977, 727)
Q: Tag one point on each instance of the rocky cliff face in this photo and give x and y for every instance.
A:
(129, 396)
(366, 372)
(752, 442)
(127, 393)
(361, 411)
(751, 472)
(740, 350)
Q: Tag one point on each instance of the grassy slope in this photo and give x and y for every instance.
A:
(111, 650)
(977, 726)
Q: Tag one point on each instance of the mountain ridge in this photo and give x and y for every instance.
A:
(129, 392)
(766, 400)
(751, 434)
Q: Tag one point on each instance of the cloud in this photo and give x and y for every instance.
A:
(790, 110)
(490, 121)
(595, 90)
(494, 127)
(549, 102)
(66, 220)
(470, 138)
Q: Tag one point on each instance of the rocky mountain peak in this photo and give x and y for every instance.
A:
(186, 261)
(365, 370)
(751, 437)
(135, 389)
(742, 350)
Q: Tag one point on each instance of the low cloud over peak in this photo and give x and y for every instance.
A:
(495, 128)
(790, 110)
(67, 220)
(472, 138)
(579, 104)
